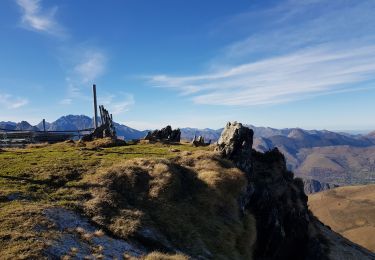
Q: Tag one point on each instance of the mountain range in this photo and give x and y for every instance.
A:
(329, 157)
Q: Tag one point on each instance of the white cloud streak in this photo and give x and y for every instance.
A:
(91, 66)
(300, 51)
(35, 18)
(87, 64)
(117, 104)
(66, 101)
(11, 102)
(280, 79)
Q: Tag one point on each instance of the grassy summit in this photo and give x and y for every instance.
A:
(185, 196)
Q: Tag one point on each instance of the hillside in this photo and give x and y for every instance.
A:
(151, 196)
(349, 211)
(98, 200)
(337, 164)
(328, 157)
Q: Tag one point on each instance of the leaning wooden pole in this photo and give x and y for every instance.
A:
(44, 125)
(95, 107)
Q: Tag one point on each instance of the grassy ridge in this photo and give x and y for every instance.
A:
(186, 193)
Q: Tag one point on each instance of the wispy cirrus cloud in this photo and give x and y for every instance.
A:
(281, 79)
(86, 66)
(117, 104)
(66, 101)
(37, 18)
(91, 65)
(12, 102)
(292, 51)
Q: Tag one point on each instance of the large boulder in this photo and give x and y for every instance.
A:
(235, 144)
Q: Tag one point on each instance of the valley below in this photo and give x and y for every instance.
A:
(349, 211)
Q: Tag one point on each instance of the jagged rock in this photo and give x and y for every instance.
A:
(165, 134)
(313, 186)
(278, 203)
(235, 143)
(199, 141)
(102, 131)
(280, 208)
(286, 229)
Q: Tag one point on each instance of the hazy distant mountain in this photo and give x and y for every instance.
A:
(73, 122)
(76, 122)
(325, 156)
(340, 164)
(207, 133)
(69, 122)
(40, 125)
(371, 135)
(23, 125)
(8, 125)
(128, 132)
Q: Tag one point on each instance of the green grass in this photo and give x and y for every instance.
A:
(54, 175)
(40, 171)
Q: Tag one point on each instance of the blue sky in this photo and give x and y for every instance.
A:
(308, 64)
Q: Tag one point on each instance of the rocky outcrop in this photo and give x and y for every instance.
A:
(165, 134)
(280, 208)
(235, 144)
(103, 131)
(313, 186)
(199, 141)
(286, 229)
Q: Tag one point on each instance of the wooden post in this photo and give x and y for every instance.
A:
(101, 115)
(95, 106)
(44, 125)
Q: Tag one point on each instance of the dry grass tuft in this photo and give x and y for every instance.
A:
(190, 199)
(18, 236)
(161, 256)
(104, 143)
(192, 204)
(40, 145)
(99, 233)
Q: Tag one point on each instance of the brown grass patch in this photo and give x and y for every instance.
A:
(192, 200)
(40, 145)
(104, 143)
(161, 256)
(349, 211)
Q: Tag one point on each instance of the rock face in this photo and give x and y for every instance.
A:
(235, 144)
(165, 134)
(286, 229)
(280, 208)
(313, 186)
